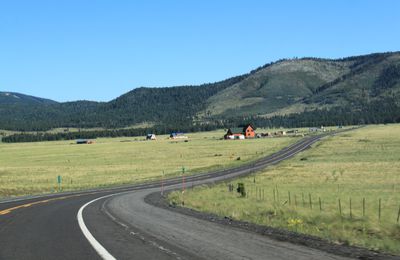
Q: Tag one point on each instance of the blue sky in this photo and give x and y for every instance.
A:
(98, 50)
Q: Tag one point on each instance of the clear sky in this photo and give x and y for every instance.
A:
(97, 50)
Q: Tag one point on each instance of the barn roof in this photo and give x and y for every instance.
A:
(236, 130)
(246, 126)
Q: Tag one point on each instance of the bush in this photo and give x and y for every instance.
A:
(240, 189)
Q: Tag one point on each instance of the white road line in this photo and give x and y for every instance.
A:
(98, 247)
(95, 244)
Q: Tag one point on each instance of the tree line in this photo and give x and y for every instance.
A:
(384, 111)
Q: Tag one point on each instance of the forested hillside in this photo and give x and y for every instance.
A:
(295, 92)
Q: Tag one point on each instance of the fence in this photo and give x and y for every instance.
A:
(355, 208)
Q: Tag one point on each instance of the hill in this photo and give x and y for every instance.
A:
(17, 98)
(306, 91)
(297, 85)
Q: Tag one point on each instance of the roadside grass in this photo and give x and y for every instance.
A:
(32, 168)
(362, 165)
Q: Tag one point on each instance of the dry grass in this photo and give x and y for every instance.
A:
(32, 168)
(358, 165)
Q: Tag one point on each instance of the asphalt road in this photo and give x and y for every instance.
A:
(117, 223)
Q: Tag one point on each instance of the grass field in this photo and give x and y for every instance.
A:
(32, 168)
(362, 165)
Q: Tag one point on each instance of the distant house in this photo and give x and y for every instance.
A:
(240, 132)
(151, 137)
(316, 129)
(177, 135)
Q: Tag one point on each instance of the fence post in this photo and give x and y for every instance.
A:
(302, 197)
(340, 208)
(274, 195)
(363, 205)
(295, 200)
(351, 213)
(277, 194)
(379, 213)
(398, 215)
(162, 183)
(309, 196)
(290, 201)
(320, 206)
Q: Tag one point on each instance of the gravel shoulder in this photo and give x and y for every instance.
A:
(183, 235)
(343, 250)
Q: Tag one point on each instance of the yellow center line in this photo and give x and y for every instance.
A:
(9, 210)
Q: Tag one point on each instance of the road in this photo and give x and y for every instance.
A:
(118, 224)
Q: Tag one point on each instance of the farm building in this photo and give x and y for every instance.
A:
(240, 132)
(151, 137)
(317, 129)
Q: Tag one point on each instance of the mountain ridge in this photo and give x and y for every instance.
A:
(281, 88)
(14, 97)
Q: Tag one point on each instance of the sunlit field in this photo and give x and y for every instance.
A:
(32, 168)
(345, 189)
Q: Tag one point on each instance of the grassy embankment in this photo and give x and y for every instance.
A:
(359, 165)
(32, 168)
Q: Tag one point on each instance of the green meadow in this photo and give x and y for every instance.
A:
(32, 168)
(345, 189)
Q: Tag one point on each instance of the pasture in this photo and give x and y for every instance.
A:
(32, 168)
(345, 189)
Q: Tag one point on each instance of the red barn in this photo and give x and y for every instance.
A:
(247, 131)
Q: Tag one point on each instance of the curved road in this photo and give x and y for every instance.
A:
(117, 223)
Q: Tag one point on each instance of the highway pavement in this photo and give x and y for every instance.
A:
(118, 224)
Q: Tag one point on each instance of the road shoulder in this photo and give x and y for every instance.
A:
(157, 200)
